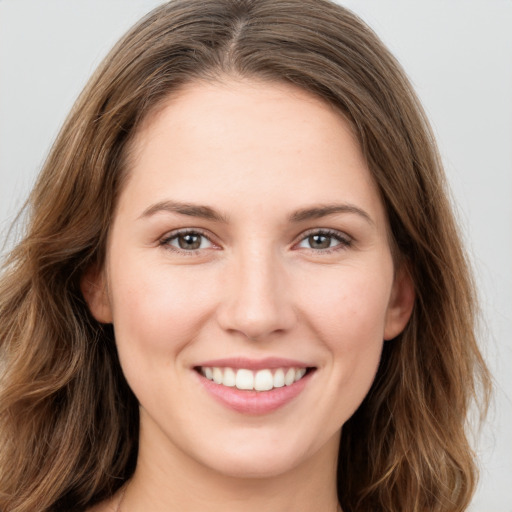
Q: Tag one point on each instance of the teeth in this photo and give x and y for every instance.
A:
(217, 376)
(229, 378)
(299, 374)
(244, 379)
(279, 378)
(289, 378)
(262, 380)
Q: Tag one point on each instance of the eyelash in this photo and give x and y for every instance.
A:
(165, 242)
(344, 240)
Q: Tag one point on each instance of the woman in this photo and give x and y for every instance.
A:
(241, 284)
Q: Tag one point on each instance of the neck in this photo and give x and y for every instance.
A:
(171, 480)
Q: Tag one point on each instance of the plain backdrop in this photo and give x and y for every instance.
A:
(458, 54)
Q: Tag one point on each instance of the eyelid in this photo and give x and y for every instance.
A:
(164, 240)
(344, 239)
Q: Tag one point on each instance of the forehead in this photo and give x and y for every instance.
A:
(271, 141)
(239, 109)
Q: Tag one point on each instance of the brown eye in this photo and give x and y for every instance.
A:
(319, 241)
(188, 241)
(325, 241)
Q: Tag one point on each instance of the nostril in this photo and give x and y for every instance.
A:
(256, 307)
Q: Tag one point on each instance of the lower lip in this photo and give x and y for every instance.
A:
(254, 402)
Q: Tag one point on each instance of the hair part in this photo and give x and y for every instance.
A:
(69, 421)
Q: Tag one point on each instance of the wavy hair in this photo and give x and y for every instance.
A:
(68, 420)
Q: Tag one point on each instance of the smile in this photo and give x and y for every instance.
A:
(262, 380)
(254, 387)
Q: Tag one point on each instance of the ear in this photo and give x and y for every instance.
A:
(94, 289)
(400, 304)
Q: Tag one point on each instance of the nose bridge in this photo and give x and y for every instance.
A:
(257, 301)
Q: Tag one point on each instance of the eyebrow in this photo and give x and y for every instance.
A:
(208, 213)
(329, 209)
(192, 210)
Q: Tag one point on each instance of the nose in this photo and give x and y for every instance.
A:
(257, 297)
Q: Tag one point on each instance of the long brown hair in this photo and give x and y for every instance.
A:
(69, 422)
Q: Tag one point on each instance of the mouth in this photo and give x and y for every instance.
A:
(254, 387)
(264, 379)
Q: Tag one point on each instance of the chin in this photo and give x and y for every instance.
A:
(266, 458)
(255, 467)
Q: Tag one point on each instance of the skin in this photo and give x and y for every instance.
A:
(256, 153)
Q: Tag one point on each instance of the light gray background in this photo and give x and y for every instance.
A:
(458, 54)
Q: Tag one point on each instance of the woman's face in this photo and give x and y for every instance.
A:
(249, 246)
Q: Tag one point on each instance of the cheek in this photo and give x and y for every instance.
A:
(348, 317)
(349, 305)
(157, 309)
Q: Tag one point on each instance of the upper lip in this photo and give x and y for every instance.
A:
(254, 364)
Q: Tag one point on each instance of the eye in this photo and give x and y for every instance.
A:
(187, 241)
(325, 240)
